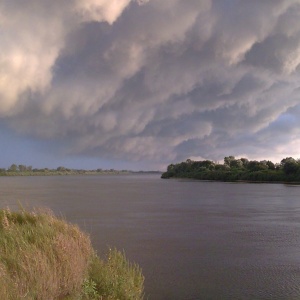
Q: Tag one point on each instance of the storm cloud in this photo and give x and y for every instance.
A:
(153, 81)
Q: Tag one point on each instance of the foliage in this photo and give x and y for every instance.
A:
(42, 257)
(23, 170)
(117, 278)
(89, 290)
(237, 170)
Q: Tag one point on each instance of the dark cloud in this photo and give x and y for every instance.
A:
(157, 81)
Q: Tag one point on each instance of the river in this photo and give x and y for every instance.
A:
(194, 240)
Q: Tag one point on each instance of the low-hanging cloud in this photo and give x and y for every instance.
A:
(158, 81)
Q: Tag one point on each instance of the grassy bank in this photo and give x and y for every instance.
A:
(42, 257)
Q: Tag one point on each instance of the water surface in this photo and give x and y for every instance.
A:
(193, 240)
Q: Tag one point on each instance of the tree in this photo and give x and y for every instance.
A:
(237, 169)
(271, 165)
(208, 164)
(228, 160)
(61, 169)
(289, 165)
(188, 161)
(22, 168)
(170, 167)
(220, 167)
(245, 162)
(13, 168)
(236, 163)
(255, 165)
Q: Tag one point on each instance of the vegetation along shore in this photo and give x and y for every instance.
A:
(23, 170)
(42, 257)
(237, 169)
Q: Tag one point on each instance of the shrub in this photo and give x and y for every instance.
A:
(117, 278)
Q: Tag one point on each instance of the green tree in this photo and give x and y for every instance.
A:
(245, 162)
(61, 169)
(271, 165)
(289, 165)
(22, 168)
(220, 167)
(236, 163)
(13, 168)
(228, 160)
(255, 165)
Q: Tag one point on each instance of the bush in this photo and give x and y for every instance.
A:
(117, 278)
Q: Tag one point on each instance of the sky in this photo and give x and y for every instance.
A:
(140, 84)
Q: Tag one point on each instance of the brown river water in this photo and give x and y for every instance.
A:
(194, 240)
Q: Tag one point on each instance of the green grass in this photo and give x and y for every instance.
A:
(43, 257)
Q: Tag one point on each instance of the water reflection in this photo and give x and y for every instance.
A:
(194, 240)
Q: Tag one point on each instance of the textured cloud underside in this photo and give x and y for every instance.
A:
(153, 80)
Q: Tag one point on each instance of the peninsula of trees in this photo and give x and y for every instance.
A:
(237, 169)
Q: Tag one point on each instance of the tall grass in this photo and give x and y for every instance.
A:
(42, 257)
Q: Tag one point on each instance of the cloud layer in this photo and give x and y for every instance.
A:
(155, 81)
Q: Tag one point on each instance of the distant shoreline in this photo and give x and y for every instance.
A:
(74, 173)
(235, 181)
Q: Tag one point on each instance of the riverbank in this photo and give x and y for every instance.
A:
(74, 173)
(235, 181)
(62, 173)
(43, 257)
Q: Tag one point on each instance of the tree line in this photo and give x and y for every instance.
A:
(237, 169)
(24, 170)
